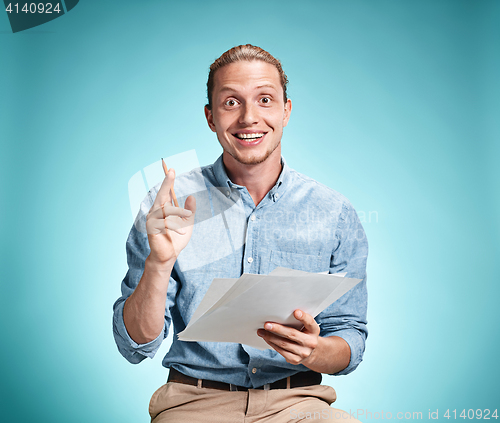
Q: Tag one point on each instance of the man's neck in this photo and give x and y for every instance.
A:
(259, 178)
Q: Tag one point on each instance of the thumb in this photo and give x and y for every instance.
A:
(310, 325)
(190, 204)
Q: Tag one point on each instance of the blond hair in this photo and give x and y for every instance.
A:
(249, 53)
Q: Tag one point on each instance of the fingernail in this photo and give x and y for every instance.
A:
(268, 326)
(299, 314)
(188, 212)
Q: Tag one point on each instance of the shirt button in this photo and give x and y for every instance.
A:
(254, 370)
(249, 259)
(276, 195)
(228, 193)
(252, 217)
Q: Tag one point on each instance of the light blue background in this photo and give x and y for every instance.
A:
(395, 105)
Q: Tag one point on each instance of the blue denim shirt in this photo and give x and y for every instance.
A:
(300, 224)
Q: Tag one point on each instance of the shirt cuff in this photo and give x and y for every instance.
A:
(146, 350)
(356, 344)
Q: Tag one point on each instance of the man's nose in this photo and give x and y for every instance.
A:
(249, 114)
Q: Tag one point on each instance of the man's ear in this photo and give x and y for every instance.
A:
(210, 118)
(288, 110)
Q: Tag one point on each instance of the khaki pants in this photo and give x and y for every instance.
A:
(178, 403)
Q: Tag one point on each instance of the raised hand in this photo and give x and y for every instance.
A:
(169, 228)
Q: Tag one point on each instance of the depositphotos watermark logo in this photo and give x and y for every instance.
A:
(24, 15)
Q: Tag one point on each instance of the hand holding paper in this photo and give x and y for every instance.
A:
(296, 346)
(234, 309)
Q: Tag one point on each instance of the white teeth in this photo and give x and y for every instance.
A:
(249, 136)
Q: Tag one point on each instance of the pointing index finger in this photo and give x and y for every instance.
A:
(172, 192)
(164, 196)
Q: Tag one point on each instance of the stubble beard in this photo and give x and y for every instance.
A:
(253, 160)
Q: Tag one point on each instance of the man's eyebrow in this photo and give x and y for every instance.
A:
(267, 86)
(228, 88)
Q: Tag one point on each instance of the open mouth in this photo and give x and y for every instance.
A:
(250, 137)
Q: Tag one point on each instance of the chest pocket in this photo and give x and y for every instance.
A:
(305, 262)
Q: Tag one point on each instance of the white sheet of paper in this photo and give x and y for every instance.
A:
(217, 289)
(234, 310)
(244, 283)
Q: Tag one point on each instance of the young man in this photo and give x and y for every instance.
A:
(248, 213)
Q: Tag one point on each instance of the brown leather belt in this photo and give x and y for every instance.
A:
(298, 380)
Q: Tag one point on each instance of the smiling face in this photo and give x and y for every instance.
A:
(248, 111)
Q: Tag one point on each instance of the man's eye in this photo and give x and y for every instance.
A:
(230, 103)
(265, 100)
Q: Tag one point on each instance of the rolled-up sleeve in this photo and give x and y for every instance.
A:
(346, 317)
(137, 251)
(130, 349)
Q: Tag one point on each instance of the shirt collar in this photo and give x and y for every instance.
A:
(275, 193)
